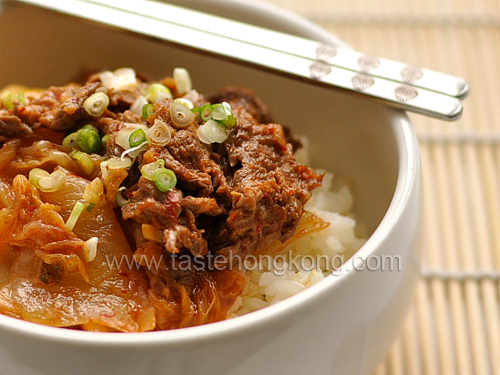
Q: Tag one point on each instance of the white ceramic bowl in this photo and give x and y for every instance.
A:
(343, 325)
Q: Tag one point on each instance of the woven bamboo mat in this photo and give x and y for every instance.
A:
(454, 324)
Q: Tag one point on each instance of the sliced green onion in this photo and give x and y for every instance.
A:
(91, 207)
(84, 161)
(122, 137)
(223, 114)
(120, 79)
(135, 151)
(94, 191)
(105, 140)
(147, 111)
(21, 98)
(218, 112)
(78, 209)
(96, 103)
(90, 249)
(181, 115)
(229, 123)
(212, 132)
(164, 179)
(159, 134)
(183, 81)
(137, 137)
(138, 104)
(52, 183)
(8, 100)
(36, 174)
(71, 140)
(184, 101)
(148, 170)
(88, 140)
(120, 199)
(206, 112)
(48, 183)
(157, 92)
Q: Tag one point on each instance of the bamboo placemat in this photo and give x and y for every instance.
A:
(454, 324)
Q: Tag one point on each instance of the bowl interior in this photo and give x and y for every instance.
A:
(351, 137)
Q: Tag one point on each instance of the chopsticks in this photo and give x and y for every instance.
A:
(396, 84)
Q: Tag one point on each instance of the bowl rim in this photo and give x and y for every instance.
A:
(408, 173)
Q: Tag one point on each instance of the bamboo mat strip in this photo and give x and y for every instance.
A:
(453, 326)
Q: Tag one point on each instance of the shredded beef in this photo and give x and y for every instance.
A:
(68, 111)
(236, 197)
(149, 206)
(12, 126)
(242, 97)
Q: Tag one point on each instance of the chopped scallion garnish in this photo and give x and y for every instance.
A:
(36, 174)
(78, 209)
(181, 115)
(96, 104)
(93, 192)
(164, 179)
(137, 137)
(53, 182)
(219, 113)
(212, 132)
(229, 123)
(159, 134)
(84, 161)
(48, 183)
(8, 100)
(138, 104)
(88, 140)
(148, 170)
(206, 112)
(90, 249)
(70, 140)
(157, 92)
(223, 114)
(184, 101)
(147, 110)
(183, 80)
(134, 151)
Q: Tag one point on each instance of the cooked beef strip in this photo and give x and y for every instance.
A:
(268, 191)
(61, 109)
(150, 206)
(69, 110)
(251, 187)
(58, 108)
(242, 97)
(12, 126)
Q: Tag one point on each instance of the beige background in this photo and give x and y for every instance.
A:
(454, 324)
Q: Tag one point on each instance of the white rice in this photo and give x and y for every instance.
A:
(338, 241)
